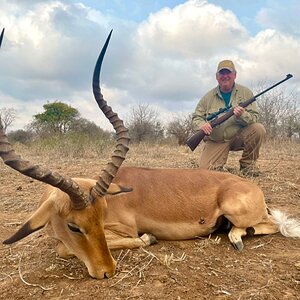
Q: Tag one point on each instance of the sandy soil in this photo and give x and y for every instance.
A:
(204, 268)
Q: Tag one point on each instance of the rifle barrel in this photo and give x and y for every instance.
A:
(288, 76)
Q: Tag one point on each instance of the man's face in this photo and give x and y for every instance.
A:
(226, 80)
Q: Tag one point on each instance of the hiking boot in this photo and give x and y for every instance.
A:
(250, 171)
(218, 169)
(224, 169)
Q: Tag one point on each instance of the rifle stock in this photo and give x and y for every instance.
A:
(194, 140)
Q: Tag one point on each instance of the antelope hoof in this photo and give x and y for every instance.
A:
(152, 239)
(238, 246)
(148, 239)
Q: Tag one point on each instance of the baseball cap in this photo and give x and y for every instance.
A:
(226, 64)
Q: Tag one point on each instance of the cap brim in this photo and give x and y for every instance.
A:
(230, 69)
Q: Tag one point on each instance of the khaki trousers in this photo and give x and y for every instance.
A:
(248, 139)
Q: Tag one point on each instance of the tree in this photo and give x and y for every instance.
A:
(56, 119)
(279, 112)
(21, 136)
(143, 124)
(88, 128)
(181, 128)
(7, 116)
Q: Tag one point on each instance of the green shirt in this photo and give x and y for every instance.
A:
(213, 101)
(226, 97)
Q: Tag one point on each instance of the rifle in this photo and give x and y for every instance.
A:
(220, 111)
(194, 140)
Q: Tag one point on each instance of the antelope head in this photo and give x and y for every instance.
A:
(75, 208)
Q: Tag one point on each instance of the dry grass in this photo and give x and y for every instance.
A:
(205, 268)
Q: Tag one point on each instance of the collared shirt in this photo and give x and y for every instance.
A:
(213, 101)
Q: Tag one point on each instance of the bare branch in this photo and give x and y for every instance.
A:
(7, 116)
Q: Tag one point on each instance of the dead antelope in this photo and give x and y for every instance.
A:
(131, 207)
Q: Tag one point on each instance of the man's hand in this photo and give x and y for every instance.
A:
(238, 111)
(206, 128)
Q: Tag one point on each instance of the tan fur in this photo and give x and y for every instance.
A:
(182, 204)
(91, 246)
(171, 204)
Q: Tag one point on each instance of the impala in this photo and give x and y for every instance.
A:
(131, 207)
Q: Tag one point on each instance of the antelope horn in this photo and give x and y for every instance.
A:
(1, 36)
(66, 184)
(121, 149)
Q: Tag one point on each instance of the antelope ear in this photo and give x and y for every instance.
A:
(114, 189)
(37, 221)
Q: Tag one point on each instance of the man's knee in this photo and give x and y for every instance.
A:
(214, 155)
(258, 130)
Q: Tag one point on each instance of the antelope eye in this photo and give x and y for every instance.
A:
(74, 228)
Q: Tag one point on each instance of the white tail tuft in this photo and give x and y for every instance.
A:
(288, 226)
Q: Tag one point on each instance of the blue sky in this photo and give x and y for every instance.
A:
(131, 10)
(245, 10)
(162, 53)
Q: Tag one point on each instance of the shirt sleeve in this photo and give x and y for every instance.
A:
(250, 115)
(199, 116)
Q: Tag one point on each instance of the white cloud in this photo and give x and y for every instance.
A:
(168, 60)
(271, 53)
(119, 100)
(193, 30)
(282, 16)
(24, 111)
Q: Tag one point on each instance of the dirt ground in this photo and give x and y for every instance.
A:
(204, 268)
